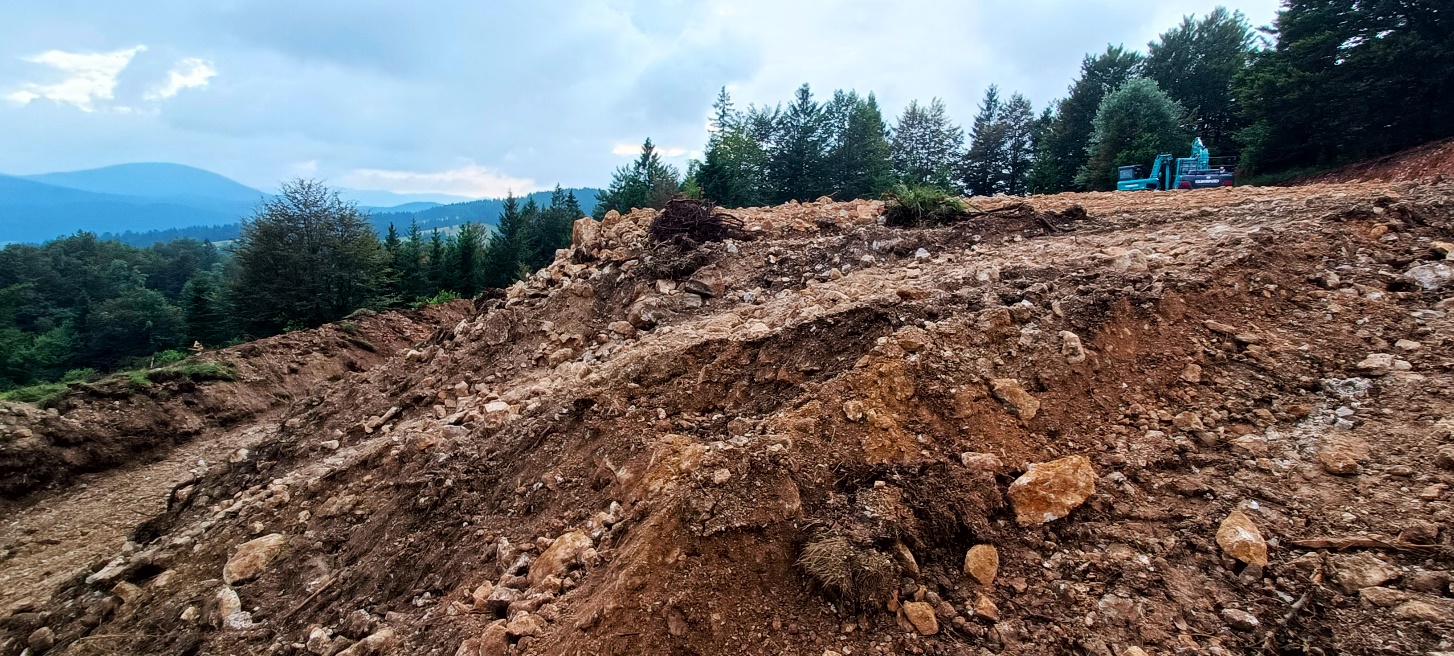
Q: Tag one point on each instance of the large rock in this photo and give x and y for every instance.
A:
(1050, 490)
(555, 560)
(1342, 455)
(648, 311)
(378, 644)
(1240, 539)
(982, 562)
(1431, 276)
(1012, 394)
(1361, 570)
(252, 558)
(921, 615)
(584, 233)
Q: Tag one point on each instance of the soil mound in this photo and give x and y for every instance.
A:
(1217, 421)
(1431, 162)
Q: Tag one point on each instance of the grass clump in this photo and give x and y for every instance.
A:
(349, 327)
(41, 394)
(853, 572)
(921, 205)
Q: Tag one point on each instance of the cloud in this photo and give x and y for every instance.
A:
(469, 180)
(190, 73)
(91, 77)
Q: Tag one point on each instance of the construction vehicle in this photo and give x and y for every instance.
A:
(1200, 171)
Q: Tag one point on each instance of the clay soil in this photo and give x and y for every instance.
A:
(629, 452)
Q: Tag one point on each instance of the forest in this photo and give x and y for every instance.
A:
(1331, 82)
(80, 305)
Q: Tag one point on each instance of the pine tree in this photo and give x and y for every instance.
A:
(983, 170)
(1021, 135)
(306, 257)
(202, 307)
(502, 253)
(438, 266)
(735, 162)
(409, 266)
(1134, 124)
(925, 145)
(1196, 63)
(1063, 149)
(464, 254)
(858, 160)
(647, 182)
(796, 163)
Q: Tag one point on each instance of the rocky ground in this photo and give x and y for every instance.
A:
(1113, 424)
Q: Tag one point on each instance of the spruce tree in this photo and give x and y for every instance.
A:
(1196, 63)
(502, 253)
(1063, 149)
(925, 145)
(1021, 136)
(984, 161)
(858, 162)
(464, 253)
(734, 165)
(796, 166)
(647, 182)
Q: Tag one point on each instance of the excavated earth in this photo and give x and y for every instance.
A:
(1112, 424)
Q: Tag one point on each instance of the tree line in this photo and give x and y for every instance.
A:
(81, 303)
(1330, 82)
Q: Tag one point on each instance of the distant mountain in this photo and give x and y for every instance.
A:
(485, 211)
(155, 180)
(406, 207)
(33, 211)
(384, 199)
(149, 202)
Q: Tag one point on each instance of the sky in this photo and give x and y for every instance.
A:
(479, 97)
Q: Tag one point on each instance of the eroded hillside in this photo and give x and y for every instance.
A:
(1174, 422)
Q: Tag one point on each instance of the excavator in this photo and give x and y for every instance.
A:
(1200, 171)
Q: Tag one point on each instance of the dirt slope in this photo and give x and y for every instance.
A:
(645, 451)
(1431, 162)
(115, 422)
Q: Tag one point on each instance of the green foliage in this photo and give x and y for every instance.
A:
(440, 298)
(1348, 80)
(647, 182)
(1196, 63)
(349, 327)
(911, 206)
(42, 394)
(1134, 124)
(1063, 149)
(797, 162)
(734, 168)
(857, 161)
(926, 145)
(306, 258)
(1001, 146)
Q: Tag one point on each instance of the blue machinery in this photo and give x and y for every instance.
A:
(1195, 172)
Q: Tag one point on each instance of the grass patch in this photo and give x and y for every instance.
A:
(921, 205)
(42, 394)
(347, 326)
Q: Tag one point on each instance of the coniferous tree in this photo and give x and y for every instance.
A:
(647, 182)
(502, 253)
(1135, 123)
(795, 166)
(734, 166)
(464, 253)
(438, 265)
(413, 279)
(858, 160)
(1063, 149)
(925, 145)
(1021, 135)
(983, 169)
(306, 257)
(1196, 63)
(1348, 80)
(206, 318)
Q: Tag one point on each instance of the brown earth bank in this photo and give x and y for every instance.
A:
(1431, 162)
(101, 425)
(1112, 424)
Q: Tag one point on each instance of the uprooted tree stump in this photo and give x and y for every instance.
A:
(688, 220)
